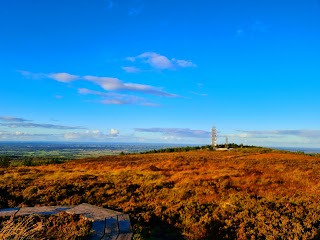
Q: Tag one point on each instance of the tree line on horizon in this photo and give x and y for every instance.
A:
(195, 148)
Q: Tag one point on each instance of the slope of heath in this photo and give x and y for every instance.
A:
(237, 194)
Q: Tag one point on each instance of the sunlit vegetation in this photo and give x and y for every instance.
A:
(61, 226)
(196, 148)
(245, 193)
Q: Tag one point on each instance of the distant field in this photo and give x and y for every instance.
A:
(239, 194)
(65, 151)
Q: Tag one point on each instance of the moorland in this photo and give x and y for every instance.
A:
(245, 193)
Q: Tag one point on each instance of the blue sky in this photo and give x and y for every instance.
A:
(160, 71)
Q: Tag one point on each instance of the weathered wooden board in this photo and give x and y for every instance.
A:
(92, 212)
(124, 223)
(8, 212)
(112, 237)
(46, 210)
(125, 236)
(107, 224)
(111, 227)
(98, 228)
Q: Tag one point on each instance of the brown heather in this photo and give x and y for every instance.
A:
(239, 194)
(62, 226)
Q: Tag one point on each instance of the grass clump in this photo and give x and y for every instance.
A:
(61, 226)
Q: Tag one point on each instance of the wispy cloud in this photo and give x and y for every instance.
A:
(161, 62)
(24, 136)
(177, 132)
(156, 60)
(92, 135)
(17, 129)
(37, 125)
(116, 98)
(199, 94)
(136, 8)
(12, 119)
(116, 84)
(14, 122)
(60, 77)
(107, 83)
(63, 77)
(58, 96)
(183, 63)
(131, 69)
(254, 28)
(28, 74)
(296, 133)
(109, 4)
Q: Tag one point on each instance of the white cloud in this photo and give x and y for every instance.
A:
(12, 119)
(60, 77)
(114, 132)
(156, 60)
(88, 91)
(200, 94)
(296, 133)
(24, 136)
(114, 102)
(20, 133)
(28, 74)
(131, 69)
(116, 84)
(116, 98)
(177, 132)
(63, 77)
(91, 135)
(131, 59)
(14, 122)
(161, 62)
(184, 63)
(37, 125)
(108, 83)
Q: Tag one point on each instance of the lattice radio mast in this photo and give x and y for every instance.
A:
(214, 137)
(227, 142)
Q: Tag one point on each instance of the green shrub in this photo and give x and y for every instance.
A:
(4, 161)
(27, 162)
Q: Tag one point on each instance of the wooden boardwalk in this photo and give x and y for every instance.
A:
(106, 224)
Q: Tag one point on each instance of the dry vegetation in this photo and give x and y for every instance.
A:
(61, 226)
(240, 194)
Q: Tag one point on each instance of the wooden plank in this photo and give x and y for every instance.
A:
(8, 212)
(107, 224)
(104, 220)
(124, 223)
(98, 228)
(110, 237)
(92, 212)
(45, 210)
(111, 227)
(125, 236)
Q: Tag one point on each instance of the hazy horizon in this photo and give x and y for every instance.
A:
(158, 145)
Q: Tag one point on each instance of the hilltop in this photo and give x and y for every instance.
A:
(242, 193)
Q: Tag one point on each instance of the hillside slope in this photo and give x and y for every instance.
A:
(244, 194)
